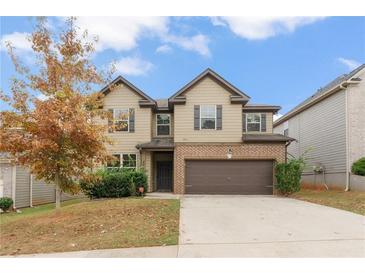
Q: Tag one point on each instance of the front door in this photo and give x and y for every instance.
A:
(164, 175)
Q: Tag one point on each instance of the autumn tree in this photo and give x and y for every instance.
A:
(56, 137)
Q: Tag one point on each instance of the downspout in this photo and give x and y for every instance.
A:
(31, 190)
(347, 188)
(13, 184)
(286, 151)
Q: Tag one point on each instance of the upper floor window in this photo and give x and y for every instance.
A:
(163, 123)
(208, 117)
(253, 122)
(121, 119)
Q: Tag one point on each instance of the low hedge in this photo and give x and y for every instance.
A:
(114, 183)
(358, 167)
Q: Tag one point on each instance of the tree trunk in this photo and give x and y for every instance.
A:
(58, 193)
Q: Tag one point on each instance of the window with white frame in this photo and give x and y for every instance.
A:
(208, 117)
(163, 122)
(128, 160)
(121, 119)
(253, 122)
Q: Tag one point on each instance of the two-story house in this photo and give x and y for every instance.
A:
(205, 139)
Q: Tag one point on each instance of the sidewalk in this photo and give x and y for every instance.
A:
(138, 252)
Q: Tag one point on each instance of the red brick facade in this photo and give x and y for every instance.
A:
(219, 152)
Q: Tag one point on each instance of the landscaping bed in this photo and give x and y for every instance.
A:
(88, 225)
(353, 201)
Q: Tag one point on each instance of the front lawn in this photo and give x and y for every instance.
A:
(353, 201)
(87, 225)
(35, 211)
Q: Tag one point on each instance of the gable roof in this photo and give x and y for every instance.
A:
(335, 85)
(119, 80)
(209, 72)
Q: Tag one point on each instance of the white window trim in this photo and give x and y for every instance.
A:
(200, 118)
(253, 122)
(120, 131)
(169, 124)
(121, 160)
(121, 157)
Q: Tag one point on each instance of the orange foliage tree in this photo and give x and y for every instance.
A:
(56, 137)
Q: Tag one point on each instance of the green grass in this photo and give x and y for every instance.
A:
(89, 225)
(34, 211)
(353, 201)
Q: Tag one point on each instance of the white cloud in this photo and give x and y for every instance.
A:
(217, 21)
(122, 33)
(164, 49)
(277, 116)
(198, 43)
(133, 66)
(18, 40)
(349, 63)
(258, 28)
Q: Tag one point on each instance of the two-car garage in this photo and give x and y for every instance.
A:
(245, 177)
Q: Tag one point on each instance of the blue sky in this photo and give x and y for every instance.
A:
(280, 60)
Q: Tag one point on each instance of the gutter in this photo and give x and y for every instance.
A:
(339, 87)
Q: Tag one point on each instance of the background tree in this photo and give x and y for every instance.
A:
(57, 138)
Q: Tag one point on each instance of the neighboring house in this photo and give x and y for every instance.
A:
(204, 139)
(17, 183)
(331, 124)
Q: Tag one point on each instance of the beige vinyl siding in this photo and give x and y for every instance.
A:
(125, 142)
(154, 125)
(208, 92)
(321, 130)
(294, 132)
(269, 122)
(22, 187)
(42, 193)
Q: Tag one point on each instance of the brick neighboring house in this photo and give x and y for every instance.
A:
(331, 123)
(204, 139)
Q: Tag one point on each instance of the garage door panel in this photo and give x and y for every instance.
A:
(229, 177)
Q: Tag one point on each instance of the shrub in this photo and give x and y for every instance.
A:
(6, 203)
(358, 167)
(113, 183)
(288, 176)
(137, 179)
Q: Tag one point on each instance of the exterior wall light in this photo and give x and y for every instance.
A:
(229, 154)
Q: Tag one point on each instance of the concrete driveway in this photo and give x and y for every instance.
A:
(267, 226)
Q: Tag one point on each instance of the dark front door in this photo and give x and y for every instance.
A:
(164, 175)
(229, 177)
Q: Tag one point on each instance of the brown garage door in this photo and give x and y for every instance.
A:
(229, 177)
